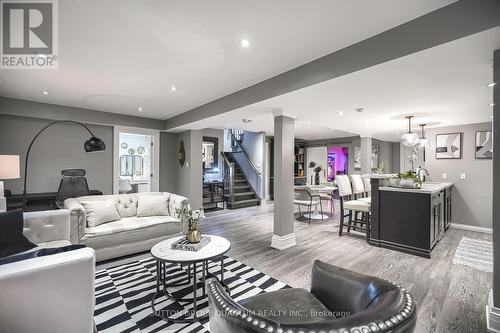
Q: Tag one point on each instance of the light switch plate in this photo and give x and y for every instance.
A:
(445, 176)
(463, 176)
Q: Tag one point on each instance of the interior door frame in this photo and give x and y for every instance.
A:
(155, 156)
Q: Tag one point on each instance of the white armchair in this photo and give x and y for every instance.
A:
(52, 294)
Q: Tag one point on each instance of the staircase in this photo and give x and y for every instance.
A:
(242, 194)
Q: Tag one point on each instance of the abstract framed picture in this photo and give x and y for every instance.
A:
(449, 146)
(484, 145)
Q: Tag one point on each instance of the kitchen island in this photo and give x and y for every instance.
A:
(410, 220)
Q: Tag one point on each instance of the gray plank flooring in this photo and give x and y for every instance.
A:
(450, 298)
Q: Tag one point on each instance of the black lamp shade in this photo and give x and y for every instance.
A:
(94, 145)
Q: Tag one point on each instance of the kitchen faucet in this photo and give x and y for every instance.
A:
(419, 173)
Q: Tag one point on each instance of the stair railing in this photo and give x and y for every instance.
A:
(241, 149)
(228, 177)
(241, 158)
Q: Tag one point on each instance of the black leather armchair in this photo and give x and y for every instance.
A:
(340, 301)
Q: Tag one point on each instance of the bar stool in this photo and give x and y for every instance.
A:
(358, 190)
(357, 206)
(368, 190)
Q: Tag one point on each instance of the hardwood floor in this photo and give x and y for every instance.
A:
(450, 298)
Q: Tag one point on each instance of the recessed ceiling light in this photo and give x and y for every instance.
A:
(492, 84)
(245, 43)
(397, 133)
(139, 108)
(173, 88)
(228, 125)
(341, 113)
(308, 123)
(45, 92)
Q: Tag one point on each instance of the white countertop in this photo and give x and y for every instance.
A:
(380, 176)
(427, 187)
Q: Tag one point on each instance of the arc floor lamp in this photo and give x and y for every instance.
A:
(92, 145)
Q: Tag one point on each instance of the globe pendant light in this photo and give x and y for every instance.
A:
(410, 139)
(423, 140)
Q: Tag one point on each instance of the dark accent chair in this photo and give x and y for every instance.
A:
(340, 301)
(73, 185)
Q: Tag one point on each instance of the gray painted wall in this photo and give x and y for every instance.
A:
(59, 147)
(472, 202)
(168, 162)
(396, 156)
(253, 143)
(189, 177)
(386, 149)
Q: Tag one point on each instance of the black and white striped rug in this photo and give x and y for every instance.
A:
(123, 295)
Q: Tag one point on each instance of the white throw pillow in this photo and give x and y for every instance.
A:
(100, 211)
(153, 205)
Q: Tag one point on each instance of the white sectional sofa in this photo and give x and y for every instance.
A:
(143, 220)
(53, 293)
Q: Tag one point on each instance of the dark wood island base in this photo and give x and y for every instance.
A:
(410, 220)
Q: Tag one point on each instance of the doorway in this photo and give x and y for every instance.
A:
(338, 162)
(136, 161)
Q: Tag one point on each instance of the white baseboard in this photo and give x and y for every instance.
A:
(283, 242)
(471, 228)
(492, 315)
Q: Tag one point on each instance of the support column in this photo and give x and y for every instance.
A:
(493, 308)
(366, 155)
(283, 233)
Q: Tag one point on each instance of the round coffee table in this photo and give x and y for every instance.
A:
(163, 253)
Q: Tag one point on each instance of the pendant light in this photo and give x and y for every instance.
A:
(410, 139)
(423, 140)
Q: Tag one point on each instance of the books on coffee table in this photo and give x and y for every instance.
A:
(184, 244)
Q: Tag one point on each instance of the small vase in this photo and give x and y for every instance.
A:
(407, 183)
(194, 235)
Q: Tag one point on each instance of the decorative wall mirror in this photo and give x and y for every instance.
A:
(181, 154)
(138, 165)
(210, 152)
(126, 165)
(131, 165)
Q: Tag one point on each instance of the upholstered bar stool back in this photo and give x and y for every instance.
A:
(368, 185)
(344, 185)
(358, 187)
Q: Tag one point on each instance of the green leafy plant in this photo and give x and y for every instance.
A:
(411, 175)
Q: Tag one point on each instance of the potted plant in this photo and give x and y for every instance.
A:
(316, 169)
(409, 179)
(193, 218)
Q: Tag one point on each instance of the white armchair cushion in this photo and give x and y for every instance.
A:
(99, 212)
(47, 226)
(153, 205)
(50, 294)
